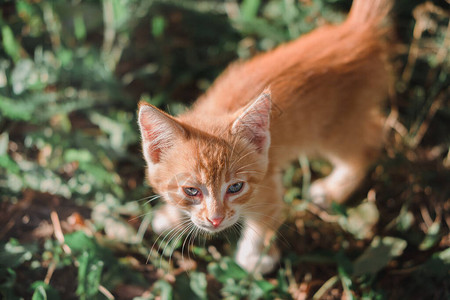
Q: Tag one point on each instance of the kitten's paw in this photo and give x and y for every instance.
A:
(319, 194)
(253, 261)
(161, 221)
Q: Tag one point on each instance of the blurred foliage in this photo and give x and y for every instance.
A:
(71, 171)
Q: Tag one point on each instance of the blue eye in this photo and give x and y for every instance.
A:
(191, 192)
(234, 188)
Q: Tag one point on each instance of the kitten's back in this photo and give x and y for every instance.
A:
(326, 86)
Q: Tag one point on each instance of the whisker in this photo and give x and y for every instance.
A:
(181, 223)
(277, 232)
(256, 213)
(189, 242)
(192, 229)
(182, 233)
(167, 243)
(240, 158)
(173, 239)
(236, 229)
(247, 165)
(204, 235)
(155, 197)
(250, 172)
(177, 232)
(232, 152)
(145, 198)
(140, 216)
(263, 215)
(169, 233)
(191, 233)
(192, 240)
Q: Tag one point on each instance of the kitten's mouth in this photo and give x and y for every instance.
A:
(212, 229)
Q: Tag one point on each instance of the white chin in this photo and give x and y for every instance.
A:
(213, 230)
(210, 229)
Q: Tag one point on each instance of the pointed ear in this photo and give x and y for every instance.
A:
(254, 122)
(159, 131)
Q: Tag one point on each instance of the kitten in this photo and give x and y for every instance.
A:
(221, 161)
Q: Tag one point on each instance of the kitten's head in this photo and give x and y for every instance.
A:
(210, 177)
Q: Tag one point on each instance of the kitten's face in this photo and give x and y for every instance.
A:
(211, 178)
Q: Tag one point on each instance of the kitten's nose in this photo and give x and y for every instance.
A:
(215, 221)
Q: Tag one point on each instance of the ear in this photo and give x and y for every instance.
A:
(159, 131)
(253, 124)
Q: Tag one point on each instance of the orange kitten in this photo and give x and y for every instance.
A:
(221, 161)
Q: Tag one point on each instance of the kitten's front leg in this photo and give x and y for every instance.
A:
(251, 253)
(257, 250)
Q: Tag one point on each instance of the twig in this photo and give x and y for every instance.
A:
(58, 232)
(322, 214)
(419, 27)
(422, 23)
(426, 216)
(326, 286)
(443, 51)
(60, 238)
(392, 121)
(293, 288)
(50, 271)
(441, 55)
(439, 100)
(105, 292)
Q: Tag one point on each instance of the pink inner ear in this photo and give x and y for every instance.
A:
(254, 122)
(158, 132)
(149, 136)
(154, 149)
(260, 142)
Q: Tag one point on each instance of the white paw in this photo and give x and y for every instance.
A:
(318, 193)
(161, 222)
(254, 261)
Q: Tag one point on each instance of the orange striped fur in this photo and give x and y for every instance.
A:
(323, 99)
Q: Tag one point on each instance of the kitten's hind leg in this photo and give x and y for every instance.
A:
(351, 150)
(347, 175)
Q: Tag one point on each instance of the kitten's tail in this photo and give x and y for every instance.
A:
(369, 13)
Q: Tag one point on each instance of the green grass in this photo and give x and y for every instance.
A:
(74, 206)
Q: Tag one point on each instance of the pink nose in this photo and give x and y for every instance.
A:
(215, 221)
